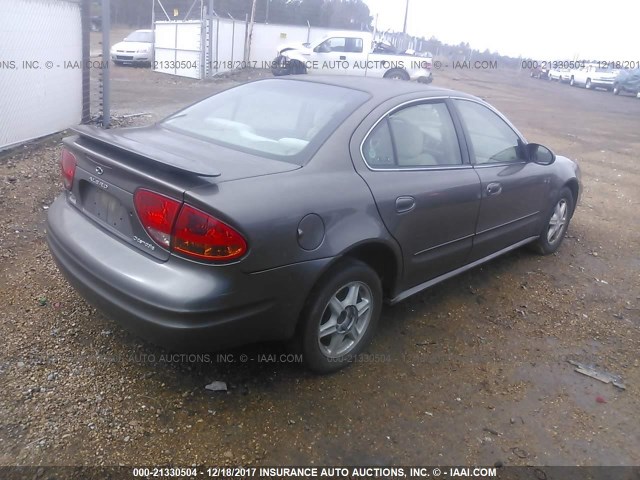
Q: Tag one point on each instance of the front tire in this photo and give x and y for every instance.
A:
(556, 224)
(572, 82)
(588, 84)
(340, 317)
(616, 89)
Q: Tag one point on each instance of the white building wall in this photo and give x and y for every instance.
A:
(42, 96)
(222, 46)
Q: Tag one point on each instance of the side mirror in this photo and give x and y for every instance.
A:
(322, 48)
(537, 153)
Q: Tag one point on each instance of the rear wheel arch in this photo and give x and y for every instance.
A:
(377, 255)
(382, 259)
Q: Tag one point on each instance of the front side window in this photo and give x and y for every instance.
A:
(417, 136)
(493, 141)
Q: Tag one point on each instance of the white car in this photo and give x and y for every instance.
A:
(560, 74)
(350, 53)
(136, 48)
(592, 76)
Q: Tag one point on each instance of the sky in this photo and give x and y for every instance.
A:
(541, 29)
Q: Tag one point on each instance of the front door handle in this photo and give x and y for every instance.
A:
(494, 188)
(405, 204)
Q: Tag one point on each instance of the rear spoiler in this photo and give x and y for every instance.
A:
(114, 139)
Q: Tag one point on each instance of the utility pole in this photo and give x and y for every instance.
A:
(266, 20)
(406, 13)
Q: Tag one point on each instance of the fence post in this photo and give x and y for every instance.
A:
(106, 59)
(246, 36)
(247, 52)
(210, 46)
(85, 12)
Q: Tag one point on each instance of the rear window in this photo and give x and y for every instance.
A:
(280, 119)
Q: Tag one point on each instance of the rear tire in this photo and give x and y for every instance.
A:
(572, 82)
(588, 84)
(397, 74)
(340, 317)
(556, 224)
(616, 89)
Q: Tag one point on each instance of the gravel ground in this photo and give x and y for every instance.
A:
(473, 371)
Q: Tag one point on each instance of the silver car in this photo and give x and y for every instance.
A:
(290, 209)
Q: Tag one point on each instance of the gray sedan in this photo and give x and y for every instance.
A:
(290, 209)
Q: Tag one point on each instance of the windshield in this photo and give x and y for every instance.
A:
(145, 37)
(280, 119)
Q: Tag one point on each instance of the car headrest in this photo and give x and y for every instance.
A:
(408, 137)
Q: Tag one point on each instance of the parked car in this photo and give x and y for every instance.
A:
(560, 74)
(627, 81)
(592, 76)
(136, 48)
(539, 72)
(351, 53)
(289, 209)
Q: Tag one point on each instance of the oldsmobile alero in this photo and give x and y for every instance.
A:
(290, 209)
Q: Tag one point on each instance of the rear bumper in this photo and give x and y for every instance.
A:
(182, 305)
(421, 75)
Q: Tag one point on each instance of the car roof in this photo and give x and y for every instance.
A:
(379, 88)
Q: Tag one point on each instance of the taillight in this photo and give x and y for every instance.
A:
(187, 230)
(157, 214)
(67, 167)
(199, 235)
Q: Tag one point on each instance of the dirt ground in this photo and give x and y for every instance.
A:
(472, 371)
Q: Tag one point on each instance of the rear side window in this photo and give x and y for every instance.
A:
(493, 141)
(420, 135)
(378, 148)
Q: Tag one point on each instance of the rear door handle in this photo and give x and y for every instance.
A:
(494, 188)
(405, 204)
(343, 57)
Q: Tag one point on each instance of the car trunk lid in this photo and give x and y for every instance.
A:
(112, 165)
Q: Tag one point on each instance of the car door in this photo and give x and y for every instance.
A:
(513, 190)
(340, 56)
(425, 190)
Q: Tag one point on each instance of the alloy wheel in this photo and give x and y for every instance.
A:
(345, 319)
(558, 221)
